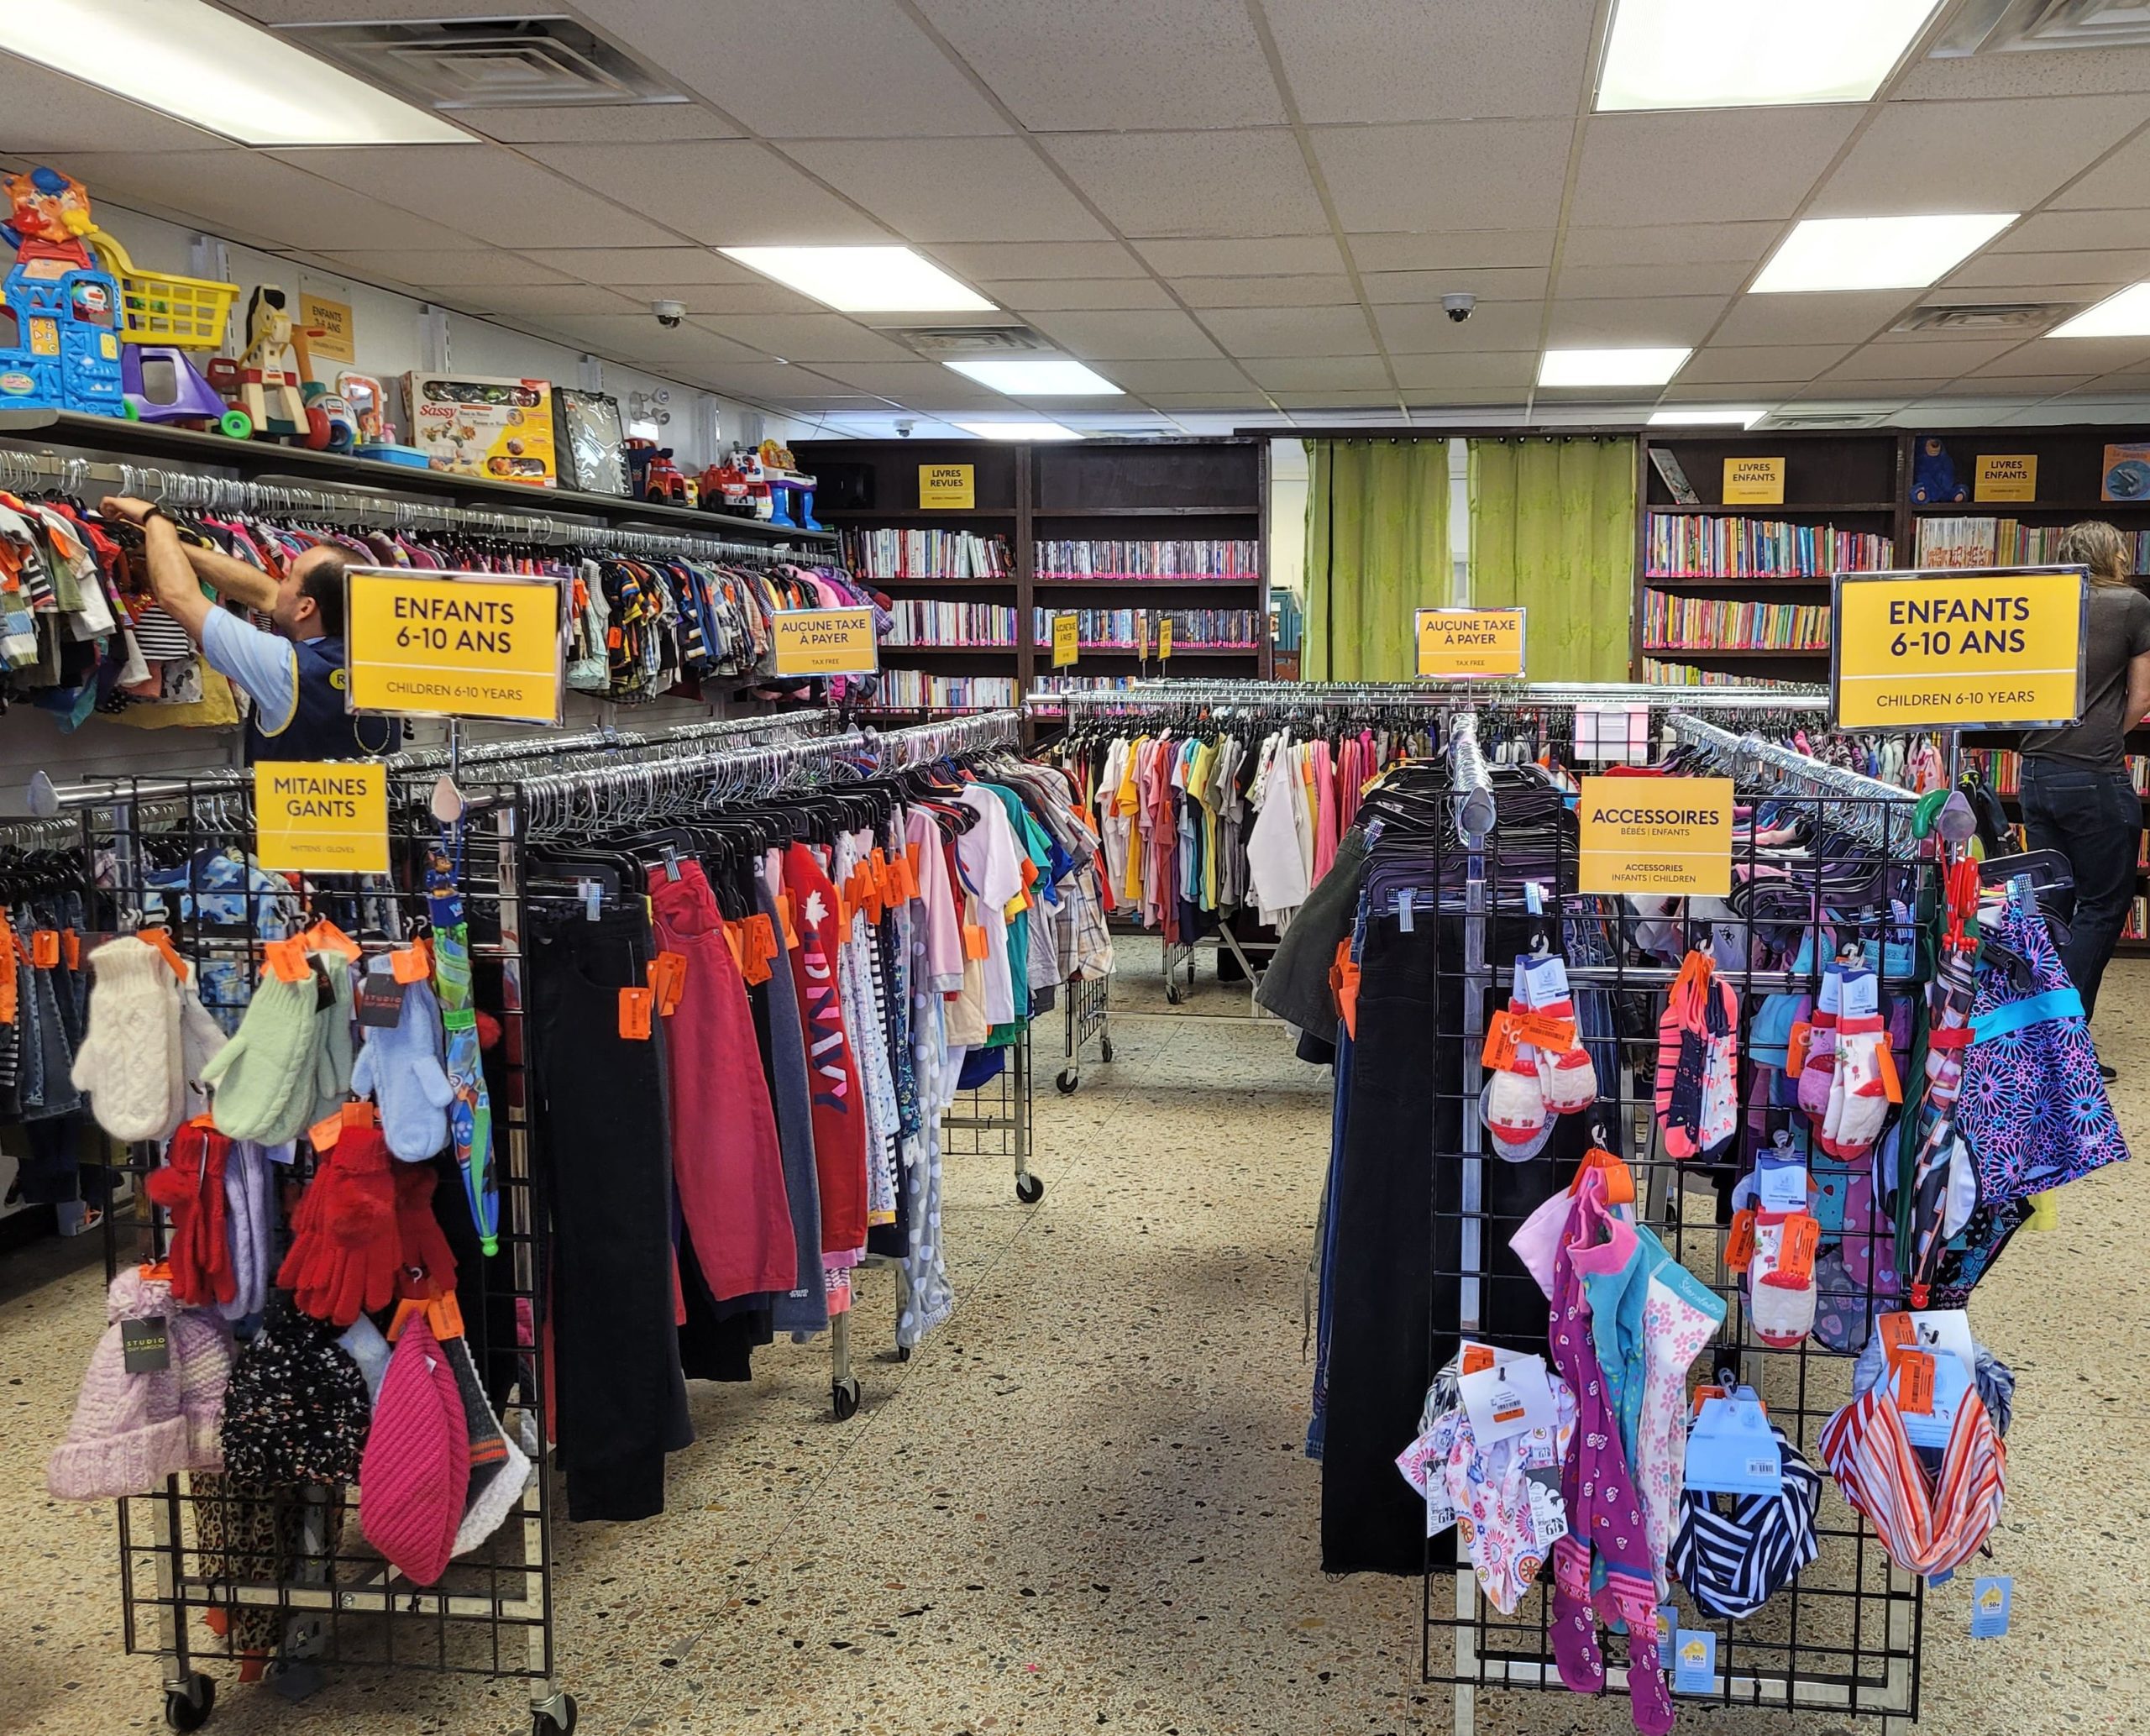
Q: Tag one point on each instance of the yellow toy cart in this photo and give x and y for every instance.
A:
(163, 308)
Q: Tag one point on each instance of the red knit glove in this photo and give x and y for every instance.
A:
(429, 1264)
(190, 1187)
(342, 1262)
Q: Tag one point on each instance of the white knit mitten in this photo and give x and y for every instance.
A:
(200, 1038)
(130, 1061)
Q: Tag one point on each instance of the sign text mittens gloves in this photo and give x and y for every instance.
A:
(263, 1077)
(400, 1069)
(130, 1063)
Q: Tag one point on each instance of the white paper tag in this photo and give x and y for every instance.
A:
(1511, 1397)
(1781, 1187)
(1549, 1513)
(1861, 996)
(1548, 980)
(1949, 1328)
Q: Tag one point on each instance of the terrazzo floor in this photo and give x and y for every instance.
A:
(1083, 1505)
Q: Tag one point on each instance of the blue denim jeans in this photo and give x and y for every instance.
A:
(2094, 819)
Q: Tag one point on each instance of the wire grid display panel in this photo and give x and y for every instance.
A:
(1087, 1000)
(993, 1120)
(1845, 1636)
(209, 1568)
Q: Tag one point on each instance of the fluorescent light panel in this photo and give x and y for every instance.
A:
(1868, 252)
(186, 59)
(1041, 376)
(863, 279)
(1723, 415)
(2124, 315)
(1610, 367)
(1740, 53)
(1019, 431)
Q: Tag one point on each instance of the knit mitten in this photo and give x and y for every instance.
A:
(190, 1186)
(343, 1261)
(427, 1263)
(1571, 1078)
(130, 1061)
(250, 1213)
(1515, 1103)
(1858, 1096)
(200, 1038)
(400, 1069)
(332, 1075)
(1818, 1076)
(1781, 1296)
(263, 1078)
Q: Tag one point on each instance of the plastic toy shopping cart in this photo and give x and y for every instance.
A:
(160, 307)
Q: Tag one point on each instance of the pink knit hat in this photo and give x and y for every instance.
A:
(416, 1467)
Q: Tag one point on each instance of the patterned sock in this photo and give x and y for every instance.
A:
(1575, 1628)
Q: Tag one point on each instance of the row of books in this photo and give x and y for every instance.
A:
(1235, 627)
(1684, 623)
(1120, 558)
(2002, 768)
(927, 621)
(2007, 543)
(926, 554)
(1051, 684)
(1688, 546)
(2138, 921)
(912, 690)
(1658, 674)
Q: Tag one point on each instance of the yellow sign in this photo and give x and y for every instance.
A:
(1066, 640)
(333, 319)
(947, 488)
(1482, 644)
(317, 818)
(1165, 637)
(455, 645)
(2007, 476)
(1931, 650)
(1753, 482)
(826, 642)
(1665, 836)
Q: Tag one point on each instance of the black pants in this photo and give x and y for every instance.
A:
(1396, 1300)
(604, 1162)
(2094, 819)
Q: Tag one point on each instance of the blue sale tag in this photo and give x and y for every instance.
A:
(1991, 1598)
(1668, 1628)
(1694, 1661)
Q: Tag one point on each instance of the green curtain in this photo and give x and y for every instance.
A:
(1552, 529)
(1376, 550)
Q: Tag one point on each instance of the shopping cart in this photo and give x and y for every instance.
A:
(161, 307)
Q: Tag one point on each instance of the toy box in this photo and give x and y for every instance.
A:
(502, 429)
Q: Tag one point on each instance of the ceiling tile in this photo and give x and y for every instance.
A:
(1664, 320)
(2107, 267)
(1483, 405)
(2118, 183)
(1586, 282)
(1489, 283)
(1688, 390)
(1974, 386)
(2078, 355)
(2066, 231)
(1705, 166)
(1733, 364)
(826, 68)
(1240, 400)
(1324, 399)
(961, 189)
(321, 11)
(540, 300)
(1010, 261)
(1276, 256)
(1890, 169)
(1194, 184)
(1934, 362)
(1441, 176)
(809, 337)
(42, 112)
(1331, 290)
(725, 298)
(448, 266)
(1670, 245)
(2082, 72)
(633, 266)
(1848, 319)
(1077, 294)
(727, 192)
(1168, 336)
(486, 191)
(1483, 371)
(250, 196)
(1464, 249)
(1404, 61)
(1291, 331)
(1112, 64)
(1421, 329)
(1319, 373)
(789, 386)
(590, 124)
(1149, 377)
(637, 335)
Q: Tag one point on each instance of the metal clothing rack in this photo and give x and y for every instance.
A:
(1864, 806)
(1805, 699)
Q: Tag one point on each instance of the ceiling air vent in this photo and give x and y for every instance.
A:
(1995, 27)
(1973, 317)
(547, 62)
(940, 343)
(1822, 419)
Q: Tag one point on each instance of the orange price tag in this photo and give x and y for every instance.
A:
(1740, 1244)
(160, 937)
(1915, 1383)
(325, 936)
(1899, 1332)
(788, 918)
(44, 948)
(1885, 1065)
(913, 855)
(1803, 1236)
(761, 948)
(287, 959)
(1703, 1394)
(360, 1114)
(1499, 1053)
(71, 942)
(668, 979)
(974, 941)
(410, 964)
(635, 1005)
(1477, 1356)
(324, 1133)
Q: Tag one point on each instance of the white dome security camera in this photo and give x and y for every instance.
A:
(669, 314)
(1458, 306)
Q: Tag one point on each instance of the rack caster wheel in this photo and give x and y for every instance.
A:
(1105, 1050)
(903, 1353)
(844, 1397)
(1029, 1189)
(188, 1708)
(1173, 994)
(556, 1717)
(1067, 1079)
